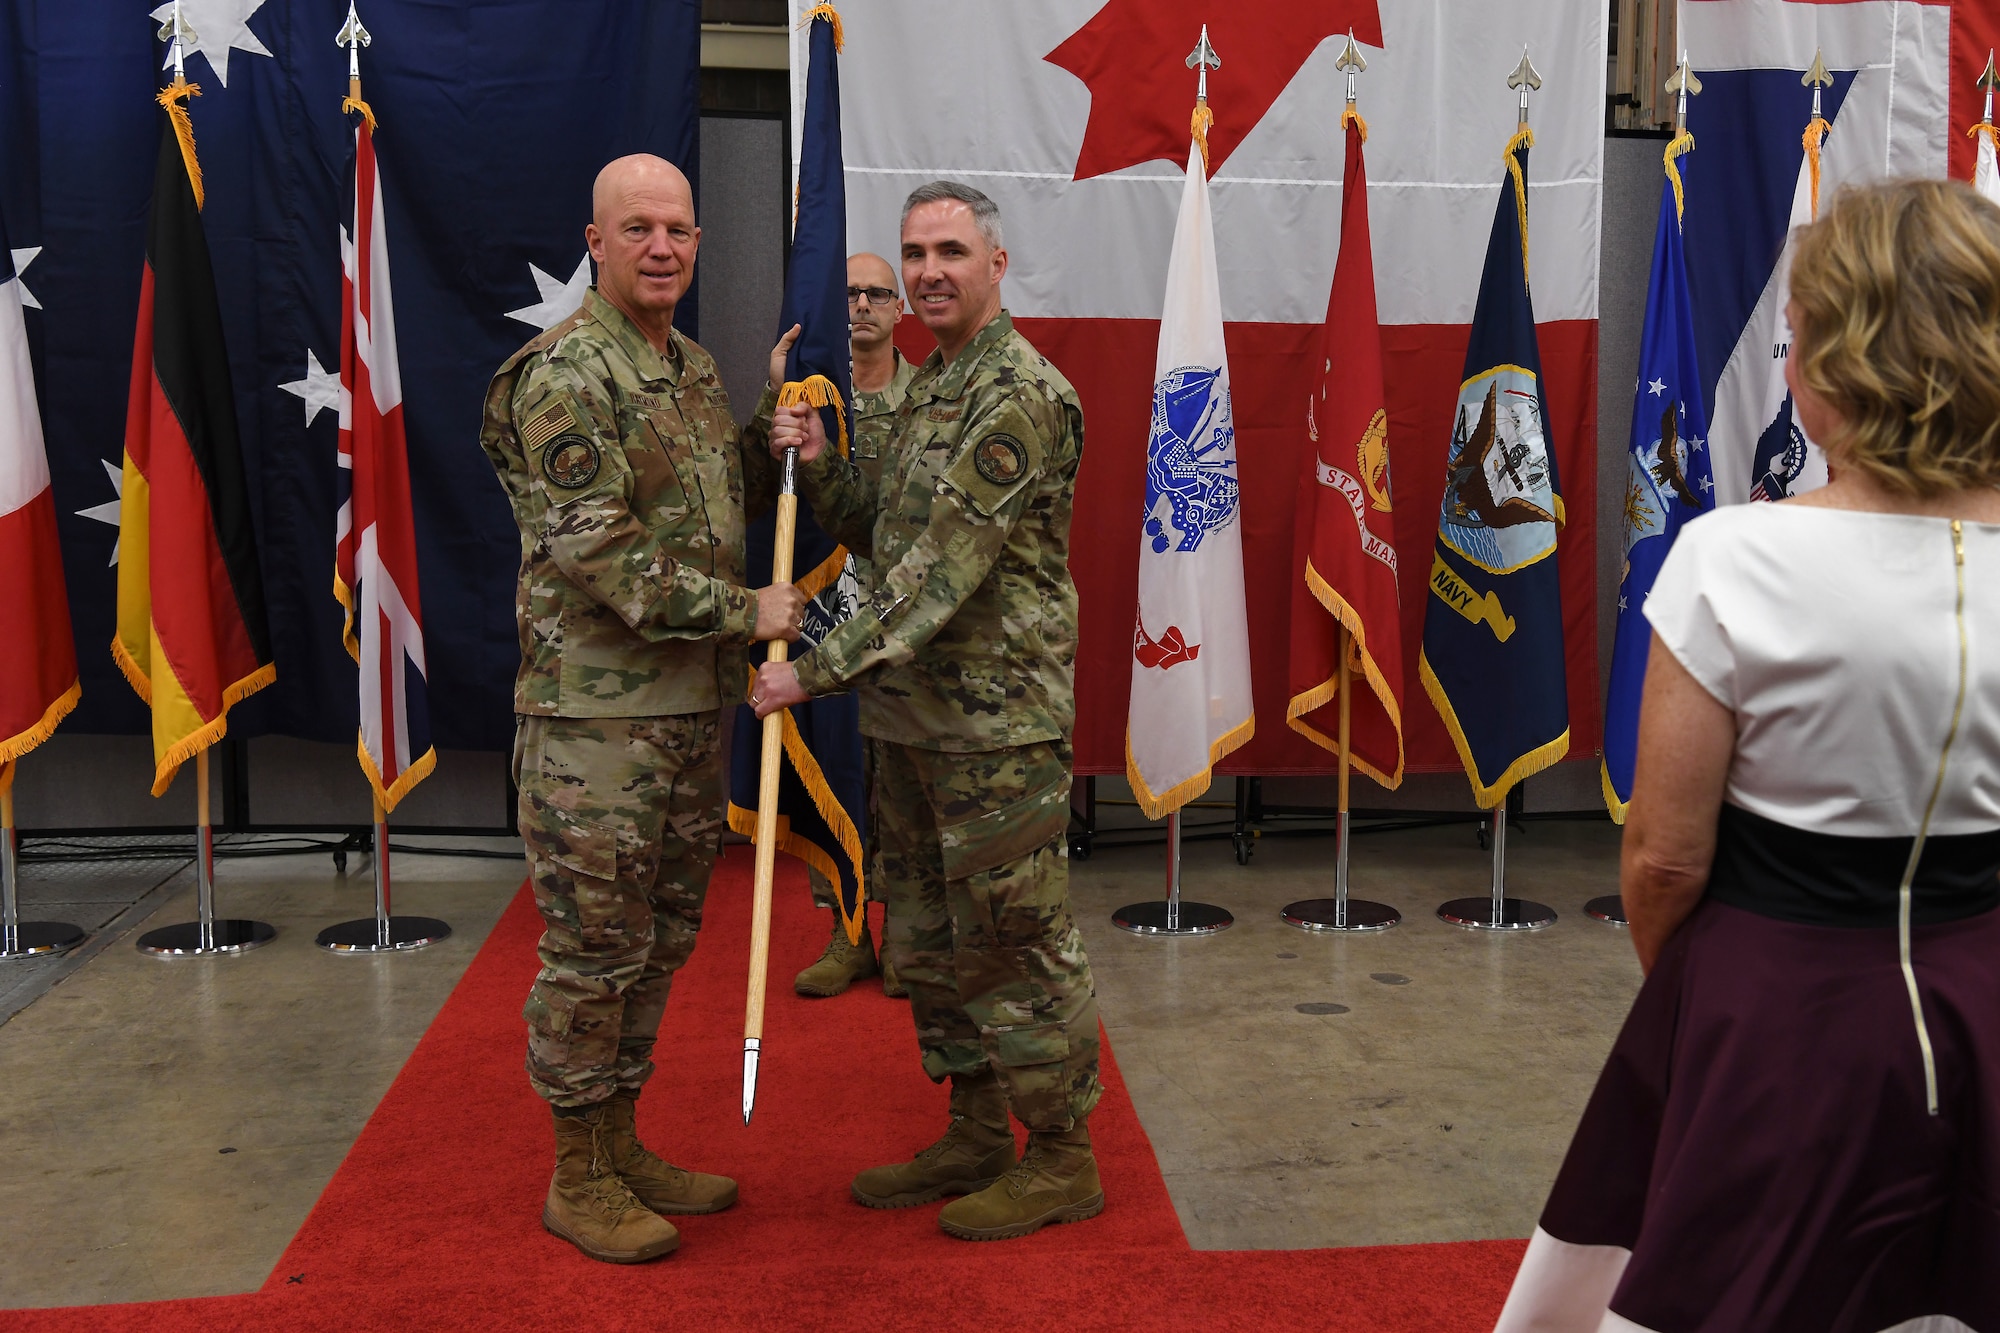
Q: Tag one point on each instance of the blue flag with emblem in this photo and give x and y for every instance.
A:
(821, 790)
(1492, 657)
(1669, 481)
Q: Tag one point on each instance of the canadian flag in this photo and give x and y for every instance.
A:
(1074, 117)
(39, 685)
(375, 547)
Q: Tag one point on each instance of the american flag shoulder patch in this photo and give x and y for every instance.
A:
(546, 424)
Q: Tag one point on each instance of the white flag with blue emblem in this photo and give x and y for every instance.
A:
(1191, 647)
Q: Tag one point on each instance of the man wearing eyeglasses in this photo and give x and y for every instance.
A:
(880, 376)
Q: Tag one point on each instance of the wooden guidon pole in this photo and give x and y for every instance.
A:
(767, 807)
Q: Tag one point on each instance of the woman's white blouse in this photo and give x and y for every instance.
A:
(1830, 634)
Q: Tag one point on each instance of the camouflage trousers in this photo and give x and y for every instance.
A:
(973, 860)
(622, 818)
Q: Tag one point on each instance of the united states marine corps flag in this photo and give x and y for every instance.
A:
(820, 795)
(1492, 657)
(375, 543)
(1345, 556)
(191, 633)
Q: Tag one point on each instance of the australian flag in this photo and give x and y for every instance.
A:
(1493, 630)
(821, 790)
(1670, 480)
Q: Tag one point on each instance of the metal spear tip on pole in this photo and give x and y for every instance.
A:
(1989, 80)
(353, 36)
(1817, 78)
(178, 33)
(1203, 59)
(1524, 78)
(751, 1047)
(1352, 61)
(1683, 85)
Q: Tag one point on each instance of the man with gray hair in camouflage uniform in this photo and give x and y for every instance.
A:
(964, 659)
(613, 438)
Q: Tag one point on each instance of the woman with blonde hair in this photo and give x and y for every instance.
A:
(1799, 1126)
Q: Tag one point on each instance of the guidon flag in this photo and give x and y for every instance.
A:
(821, 796)
(1191, 702)
(1344, 570)
(191, 637)
(375, 543)
(1492, 658)
(39, 686)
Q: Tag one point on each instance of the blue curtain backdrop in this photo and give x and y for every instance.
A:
(495, 118)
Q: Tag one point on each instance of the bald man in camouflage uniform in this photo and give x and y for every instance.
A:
(964, 661)
(613, 438)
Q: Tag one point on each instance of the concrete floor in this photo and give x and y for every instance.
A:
(1426, 1092)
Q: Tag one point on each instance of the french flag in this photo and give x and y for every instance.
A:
(1075, 119)
(39, 685)
(375, 547)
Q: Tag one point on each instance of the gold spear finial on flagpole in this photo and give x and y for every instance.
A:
(1202, 59)
(1817, 78)
(1353, 63)
(1989, 80)
(1524, 78)
(1683, 85)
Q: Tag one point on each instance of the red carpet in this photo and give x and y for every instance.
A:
(434, 1217)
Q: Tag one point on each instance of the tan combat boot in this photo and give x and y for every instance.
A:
(590, 1207)
(975, 1151)
(840, 966)
(1055, 1182)
(661, 1186)
(892, 985)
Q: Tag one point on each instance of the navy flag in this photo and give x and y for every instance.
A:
(1670, 480)
(1493, 634)
(821, 792)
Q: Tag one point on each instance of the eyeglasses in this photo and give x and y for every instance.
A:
(875, 295)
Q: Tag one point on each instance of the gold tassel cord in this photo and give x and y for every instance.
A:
(1815, 133)
(174, 98)
(348, 104)
(826, 11)
(1199, 125)
(816, 391)
(1352, 117)
(1989, 130)
(1523, 138)
(1682, 143)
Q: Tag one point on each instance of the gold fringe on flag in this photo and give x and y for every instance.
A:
(823, 10)
(13, 747)
(1351, 116)
(1987, 128)
(174, 98)
(1682, 143)
(348, 104)
(1198, 126)
(1815, 132)
(816, 391)
(1523, 138)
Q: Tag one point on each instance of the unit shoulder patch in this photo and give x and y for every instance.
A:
(572, 461)
(1000, 459)
(546, 424)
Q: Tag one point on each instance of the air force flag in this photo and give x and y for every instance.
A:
(1493, 634)
(1669, 482)
(1191, 647)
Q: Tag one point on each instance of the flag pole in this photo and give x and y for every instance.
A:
(205, 935)
(1341, 912)
(1498, 911)
(1175, 917)
(382, 932)
(786, 530)
(18, 938)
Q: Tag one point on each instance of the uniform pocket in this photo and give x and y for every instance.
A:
(1006, 833)
(571, 841)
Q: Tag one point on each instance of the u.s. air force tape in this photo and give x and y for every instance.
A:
(571, 461)
(1000, 459)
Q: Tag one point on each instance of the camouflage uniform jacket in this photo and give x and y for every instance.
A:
(625, 474)
(968, 640)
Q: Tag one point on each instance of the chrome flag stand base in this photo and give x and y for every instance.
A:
(205, 935)
(18, 938)
(1610, 909)
(1172, 917)
(382, 933)
(1340, 912)
(1498, 912)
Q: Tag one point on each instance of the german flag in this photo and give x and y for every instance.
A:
(191, 637)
